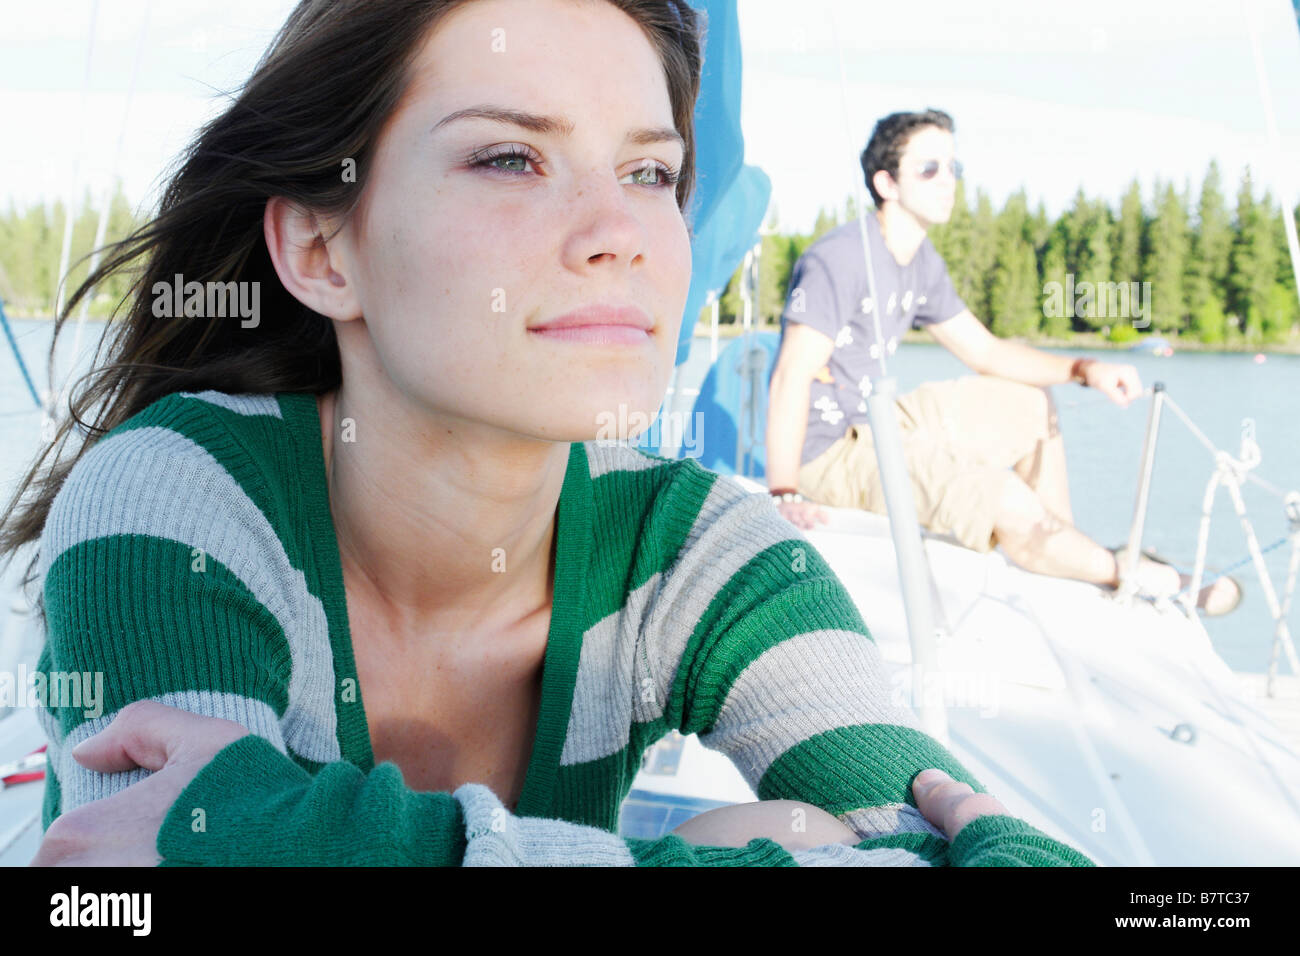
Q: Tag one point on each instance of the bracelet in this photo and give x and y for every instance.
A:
(1079, 370)
(786, 494)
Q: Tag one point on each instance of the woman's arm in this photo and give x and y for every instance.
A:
(260, 810)
(218, 796)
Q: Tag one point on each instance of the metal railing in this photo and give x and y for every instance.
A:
(1231, 473)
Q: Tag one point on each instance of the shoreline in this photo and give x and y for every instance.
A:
(1082, 340)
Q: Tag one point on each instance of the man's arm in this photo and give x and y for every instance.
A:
(966, 337)
(803, 352)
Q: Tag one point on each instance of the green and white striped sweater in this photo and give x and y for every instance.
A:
(191, 558)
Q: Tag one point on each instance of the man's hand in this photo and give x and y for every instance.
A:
(1119, 383)
(802, 514)
(122, 830)
(950, 805)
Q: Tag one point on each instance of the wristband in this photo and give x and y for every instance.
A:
(786, 494)
(1079, 370)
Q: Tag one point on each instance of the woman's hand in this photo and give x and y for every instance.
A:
(122, 830)
(802, 514)
(950, 805)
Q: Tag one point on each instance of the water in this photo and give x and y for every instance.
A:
(1103, 449)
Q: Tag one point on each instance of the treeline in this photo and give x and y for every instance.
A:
(1213, 271)
(31, 240)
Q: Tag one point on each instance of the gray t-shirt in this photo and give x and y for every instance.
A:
(828, 292)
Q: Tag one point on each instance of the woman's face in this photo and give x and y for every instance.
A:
(459, 250)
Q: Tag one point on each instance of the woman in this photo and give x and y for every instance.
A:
(363, 587)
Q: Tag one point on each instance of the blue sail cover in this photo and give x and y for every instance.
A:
(730, 198)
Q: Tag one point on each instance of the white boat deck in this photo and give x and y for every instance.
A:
(1283, 708)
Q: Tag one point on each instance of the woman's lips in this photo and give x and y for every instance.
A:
(597, 334)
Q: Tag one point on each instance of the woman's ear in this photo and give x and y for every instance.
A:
(319, 276)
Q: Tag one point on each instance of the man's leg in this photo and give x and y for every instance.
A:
(1044, 468)
(991, 422)
(1039, 541)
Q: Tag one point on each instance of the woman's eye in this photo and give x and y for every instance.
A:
(515, 162)
(518, 158)
(664, 177)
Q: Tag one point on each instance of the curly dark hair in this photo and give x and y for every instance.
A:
(889, 139)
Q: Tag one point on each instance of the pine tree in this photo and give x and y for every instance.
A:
(1285, 271)
(1166, 261)
(1057, 322)
(1013, 292)
(977, 272)
(952, 239)
(1253, 261)
(1209, 323)
(1211, 245)
(1279, 314)
(1094, 266)
(1127, 244)
(1072, 224)
(775, 267)
(1039, 229)
(1013, 297)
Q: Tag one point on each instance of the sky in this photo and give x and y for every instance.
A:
(1046, 94)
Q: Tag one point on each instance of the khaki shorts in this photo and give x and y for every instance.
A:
(960, 440)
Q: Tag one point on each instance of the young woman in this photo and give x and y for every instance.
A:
(362, 584)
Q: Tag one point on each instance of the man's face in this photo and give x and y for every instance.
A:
(929, 199)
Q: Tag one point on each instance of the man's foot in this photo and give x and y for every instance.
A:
(1219, 597)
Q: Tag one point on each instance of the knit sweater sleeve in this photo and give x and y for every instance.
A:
(771, 663)
(146, 598)
(251, 806)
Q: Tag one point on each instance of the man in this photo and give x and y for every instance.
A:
(986, 458)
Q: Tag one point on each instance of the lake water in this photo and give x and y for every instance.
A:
(1103, 448)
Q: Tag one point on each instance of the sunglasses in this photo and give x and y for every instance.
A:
(931, 169)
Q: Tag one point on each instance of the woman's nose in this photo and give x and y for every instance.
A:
(604, 219)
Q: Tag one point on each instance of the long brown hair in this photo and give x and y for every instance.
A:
(321, 93)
